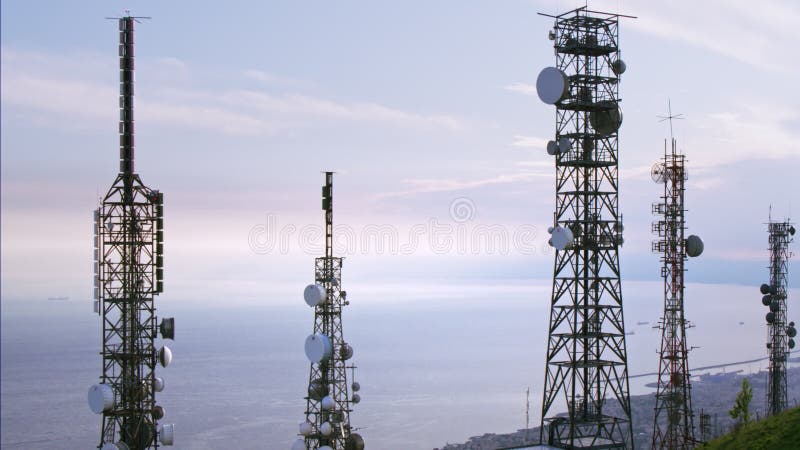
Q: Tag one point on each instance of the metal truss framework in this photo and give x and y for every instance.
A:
(586, 369)
(128, 274)
(673, 423)
(329, 376)
(780, 235)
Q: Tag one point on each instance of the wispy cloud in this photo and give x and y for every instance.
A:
(27, 83)
(423, 186)
(530, 141)
(272, 79)
(521, 88)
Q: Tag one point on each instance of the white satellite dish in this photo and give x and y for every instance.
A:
(306, 428)
(607, 120)
(299, 444)
(552, 85)
(165, 356)
(314, 294)
(158, 384)
(318, 347)
(694, 246)
(101, 398)
(562, 237)
(618, 67)
(166, 433)
(326, 429)
(327, 403)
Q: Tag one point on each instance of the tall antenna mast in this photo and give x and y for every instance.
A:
(128, 253)
(673, 424)
(586, 371)
(780, 335)
(328, 403)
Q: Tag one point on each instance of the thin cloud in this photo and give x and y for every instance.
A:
(521, 88)
(529, 141)
(423, 186)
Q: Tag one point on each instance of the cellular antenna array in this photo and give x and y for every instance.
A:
(329, 401)
(586, 371)
(128, 263)
(673, 424)
(780, 334)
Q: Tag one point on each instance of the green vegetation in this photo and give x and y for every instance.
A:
(741, 409)
(778, 432)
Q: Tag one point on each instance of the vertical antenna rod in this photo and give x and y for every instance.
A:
(129, 273)
(780, 334)
(329, 401)
(673, 423)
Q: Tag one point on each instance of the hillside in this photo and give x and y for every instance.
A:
(779, 432)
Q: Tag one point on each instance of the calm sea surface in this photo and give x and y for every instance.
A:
(437, 364)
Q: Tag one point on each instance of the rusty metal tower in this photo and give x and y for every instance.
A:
(673, 424)
(128, 255)
(329, 401)
(780, 335)
(586, 373)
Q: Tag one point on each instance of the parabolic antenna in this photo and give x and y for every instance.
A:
(770, 317)
(791, 332)
(326, 429)
(314, 294)
(766, 300)
(158, 384)
(774, 306)
(562, 238)
(791, 343)
(356, 399)
(792, 230)
(658, 172)
(318, 347)
(552, 85)
(306, 428)
(165, 356)
(552, 148)
(354, 442)
(564, 145)
(327, 403)
(618, 67)
(356, 386)
(765, 288)
(346, 352)
(299, 444)
(694, 246)
(166, 434)
(158, 412)
(608, 119)
(167, 328)
(101, 398)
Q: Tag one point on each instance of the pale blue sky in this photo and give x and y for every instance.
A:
(240, 105)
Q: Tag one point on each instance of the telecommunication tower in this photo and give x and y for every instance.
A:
(128, 273)
(329, 402)
(586, 372)
(780, 335)
(673, 424)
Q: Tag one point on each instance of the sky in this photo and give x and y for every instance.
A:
(426, 110)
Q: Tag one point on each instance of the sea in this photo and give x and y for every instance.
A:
(437, 362)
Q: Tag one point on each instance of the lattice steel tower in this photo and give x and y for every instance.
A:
(779, 334)
(673, 424)
(328, 403)
(586, 372)
(128, 253)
